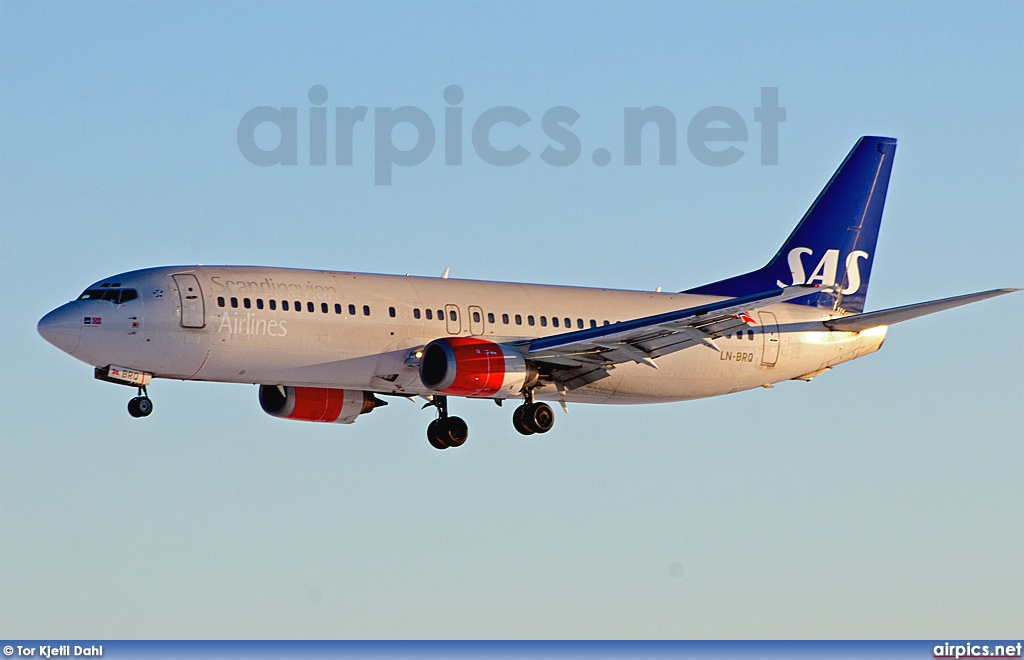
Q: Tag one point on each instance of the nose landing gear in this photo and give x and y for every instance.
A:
(445, 431)
(142, 405)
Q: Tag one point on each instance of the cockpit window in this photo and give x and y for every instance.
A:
(116, 296)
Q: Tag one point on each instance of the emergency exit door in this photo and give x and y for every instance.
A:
(452, 319)
(476, 320)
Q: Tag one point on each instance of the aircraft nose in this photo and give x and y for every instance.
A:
(62, 327)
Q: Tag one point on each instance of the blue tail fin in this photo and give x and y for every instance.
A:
(835, 240)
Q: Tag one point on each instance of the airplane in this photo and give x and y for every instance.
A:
(324, 346)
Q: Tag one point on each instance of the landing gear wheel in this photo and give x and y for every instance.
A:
(434, 435)
(540, 417)
(445, 431)
(531, 418)
(140, 406)
(455, 431)
(519, 420)
(144, 406)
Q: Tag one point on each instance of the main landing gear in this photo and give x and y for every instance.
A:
(533, 417)
(445, 431)
(142, 405)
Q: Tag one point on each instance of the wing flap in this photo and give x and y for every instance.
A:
(578, 357)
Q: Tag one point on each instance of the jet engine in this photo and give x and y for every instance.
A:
(467, 366)
(316, 404)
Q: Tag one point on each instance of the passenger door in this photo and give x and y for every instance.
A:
(193, 310)
(770, 338)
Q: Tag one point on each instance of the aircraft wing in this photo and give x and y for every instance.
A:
(859, 322)
(584, 356)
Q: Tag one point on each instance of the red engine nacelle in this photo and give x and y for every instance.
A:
(467, 366)
(316, 404)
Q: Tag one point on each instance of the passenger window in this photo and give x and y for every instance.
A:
(452, 315)
(750, 335)
(476, 317)
(273, 304)
(543, 321)
(593, 323)
(415, 312)
(234, 302)
(568, 322)
(259, 303)
(529, 319)
(504, 319)
(323, 308)
(606, 322)
(554, 321)
(490, 317)
(220, 301)
(351, 310)
(298, 306)
(246, 303)
(337, 308)
(440, 315)
(284, 305)
(579, 323)
(519, 319)
(391, 312)
(366, 310)
(309, 306)
(430, 315)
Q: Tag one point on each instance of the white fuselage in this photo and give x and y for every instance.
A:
(360, 331)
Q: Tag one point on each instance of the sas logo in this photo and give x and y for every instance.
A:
(826, 270)
(92, 320)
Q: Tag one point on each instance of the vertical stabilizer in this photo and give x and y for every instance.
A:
(834, 243)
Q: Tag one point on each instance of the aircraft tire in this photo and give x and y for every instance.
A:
(519, 420)
(434, 437)
(540, 417)
(144, 406)
(456, 431)
(133, 407)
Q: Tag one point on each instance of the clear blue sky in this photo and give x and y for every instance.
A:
(884, 499)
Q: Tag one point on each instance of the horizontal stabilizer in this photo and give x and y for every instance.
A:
(859, 322)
